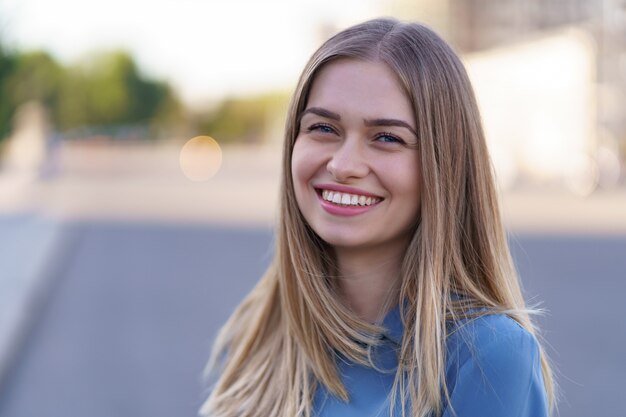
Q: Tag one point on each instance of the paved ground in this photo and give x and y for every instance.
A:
(119, 271)
(28, 248)
(126, 330)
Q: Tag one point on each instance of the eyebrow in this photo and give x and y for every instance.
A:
(373, 122)
(321, 112)
(390, 122)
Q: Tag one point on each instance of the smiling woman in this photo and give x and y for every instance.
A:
(357, 140)
(392, 290)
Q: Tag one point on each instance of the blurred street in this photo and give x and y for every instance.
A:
(136, 273)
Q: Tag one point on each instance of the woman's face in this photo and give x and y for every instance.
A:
(355, 163)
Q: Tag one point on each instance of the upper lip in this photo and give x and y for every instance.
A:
(344, 189)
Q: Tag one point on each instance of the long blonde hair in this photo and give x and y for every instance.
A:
(279, 344)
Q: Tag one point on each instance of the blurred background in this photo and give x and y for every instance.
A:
(139, 165)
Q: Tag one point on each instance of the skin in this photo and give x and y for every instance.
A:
(377, 159)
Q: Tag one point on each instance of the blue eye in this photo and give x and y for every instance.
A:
(389, 138)
(322, 128)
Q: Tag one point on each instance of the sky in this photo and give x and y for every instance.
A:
(206, 49)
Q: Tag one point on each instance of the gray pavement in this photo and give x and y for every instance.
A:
(127, 329)
(580, 280)
(28, 248)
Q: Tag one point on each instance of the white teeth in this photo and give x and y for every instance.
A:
(348, 199)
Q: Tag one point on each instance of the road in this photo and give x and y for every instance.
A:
(126, 330)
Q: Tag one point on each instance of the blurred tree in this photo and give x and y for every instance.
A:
(170, 117)
(106, 90)
(74, 108)
(109, 90)
(248, 119)
(7, 63)
(34, 76)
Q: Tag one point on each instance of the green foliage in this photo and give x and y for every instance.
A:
(107, 93)
(244, 119)
(7, 63)
(35, 76)
(107, 90)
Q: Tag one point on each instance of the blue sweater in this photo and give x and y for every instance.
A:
(493, 369)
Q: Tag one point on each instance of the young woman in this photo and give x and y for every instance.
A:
(392, 291)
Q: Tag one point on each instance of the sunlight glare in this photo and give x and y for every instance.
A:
(200, 158)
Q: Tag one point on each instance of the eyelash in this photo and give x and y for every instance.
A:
(318, 125)
(380, 135)
(389, 135)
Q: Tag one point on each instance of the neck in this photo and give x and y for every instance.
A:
(368, 278)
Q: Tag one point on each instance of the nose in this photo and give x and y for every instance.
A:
(348, 161)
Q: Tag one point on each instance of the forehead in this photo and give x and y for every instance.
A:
(366, 88)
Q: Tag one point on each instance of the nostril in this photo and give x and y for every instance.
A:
(347, 165)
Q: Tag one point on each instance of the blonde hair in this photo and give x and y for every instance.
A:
(279, 344)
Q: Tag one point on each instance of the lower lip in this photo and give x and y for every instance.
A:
(344, 210)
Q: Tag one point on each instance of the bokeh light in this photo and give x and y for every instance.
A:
(200, 158)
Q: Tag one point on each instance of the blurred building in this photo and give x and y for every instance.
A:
(481, 24)
(479, 27)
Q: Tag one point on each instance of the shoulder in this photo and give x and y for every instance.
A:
(494, 368)
(493, 335)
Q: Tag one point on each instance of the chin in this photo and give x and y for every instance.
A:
(343, 241)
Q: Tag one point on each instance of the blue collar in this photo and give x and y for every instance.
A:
(394, 329)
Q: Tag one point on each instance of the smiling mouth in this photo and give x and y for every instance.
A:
(347, 199)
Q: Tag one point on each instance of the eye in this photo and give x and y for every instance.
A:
(389, 138)
(322, 128)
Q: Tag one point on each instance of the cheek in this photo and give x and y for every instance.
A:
(301, 168)
(305, 162)
(403, 179)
